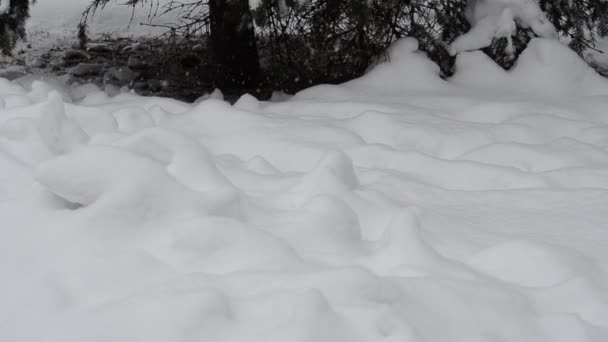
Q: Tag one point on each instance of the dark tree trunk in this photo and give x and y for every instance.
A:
(12, 24)
(233, 42)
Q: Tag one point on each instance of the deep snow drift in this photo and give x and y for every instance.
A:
(396, 207)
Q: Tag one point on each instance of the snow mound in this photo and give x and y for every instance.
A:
(527, 264)
(546, 67)
(404, 69)
(334, 174)
(186, 160)
(550, 66)
(89, 177)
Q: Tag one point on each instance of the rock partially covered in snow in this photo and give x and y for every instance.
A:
(73, 55)
(37, 62)
(84, 69)
(13, 72)
(120, 75)
(137, 62)
(198, 48)
(100, 47)
(135, 47)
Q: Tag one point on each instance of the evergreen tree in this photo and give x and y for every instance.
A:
(233, 42)
(583, 21)
(232, 35)
(13, 14)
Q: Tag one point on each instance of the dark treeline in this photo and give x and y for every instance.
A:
(291, 44)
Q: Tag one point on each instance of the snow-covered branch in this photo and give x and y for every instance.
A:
(492, 19)
(4, 6)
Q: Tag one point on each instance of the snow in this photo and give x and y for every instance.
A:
(4, 6)
(395, 207)
(492, 19)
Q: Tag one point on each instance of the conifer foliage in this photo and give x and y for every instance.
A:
(13, 15)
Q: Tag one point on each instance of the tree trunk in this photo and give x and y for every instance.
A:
(13, 15)
(233, 42)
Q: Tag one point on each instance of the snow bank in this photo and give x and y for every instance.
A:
(396, 207)
(545, 67)
(404, 69)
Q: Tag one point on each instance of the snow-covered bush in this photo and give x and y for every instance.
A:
(495, 19)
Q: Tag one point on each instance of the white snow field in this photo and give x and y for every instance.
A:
(395, 207)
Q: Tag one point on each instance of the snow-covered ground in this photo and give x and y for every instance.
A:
(395, 207)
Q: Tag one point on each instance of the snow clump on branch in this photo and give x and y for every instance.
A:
(492, 19)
